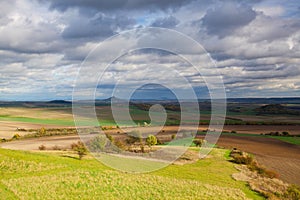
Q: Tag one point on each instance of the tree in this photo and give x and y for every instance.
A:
(80, 149)
(151, 140)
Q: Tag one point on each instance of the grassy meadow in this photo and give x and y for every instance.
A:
(28, 175)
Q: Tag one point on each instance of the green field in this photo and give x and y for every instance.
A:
(26, 175)
(38, 121)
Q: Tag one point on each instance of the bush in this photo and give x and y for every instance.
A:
(198, 142)
(42, 147)
(233, 131)
(134, 137)
(110, 138)
(120, 145)
(240, 157)
(42, 131)
(80, 149)
(159, 142)
(151, 140)
(243, 159)
(173, 136)
(292, 193)
(285, 133)
(98, 143)
(270, 174)
(16, 136)
(56, 148)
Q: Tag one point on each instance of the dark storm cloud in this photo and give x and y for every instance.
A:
(167, 22)
(224, 19)
(112, 5)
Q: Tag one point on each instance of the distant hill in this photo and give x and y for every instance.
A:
(276, 109)
(59, 102)
(283, 100)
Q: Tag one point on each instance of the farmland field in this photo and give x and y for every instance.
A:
(211, 177)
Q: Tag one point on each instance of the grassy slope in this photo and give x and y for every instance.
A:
(43, 176)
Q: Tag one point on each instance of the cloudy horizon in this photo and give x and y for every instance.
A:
(253, 44)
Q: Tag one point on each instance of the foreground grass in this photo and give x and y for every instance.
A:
(26, 175)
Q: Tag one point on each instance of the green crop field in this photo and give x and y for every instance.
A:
(38, 121)
(26, 175)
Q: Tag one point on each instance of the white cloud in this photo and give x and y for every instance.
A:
(255, 44)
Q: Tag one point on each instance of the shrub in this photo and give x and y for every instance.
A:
(120, 144)
(243, 159)
(110, 138)
(240, 157)
(270, 174)
(42, 147)
(80, 149)
(285, 133)
(134, 137)
(42, 131)
(292, 193)
(173, 136)
(254, 166)
(56, 148)
(198, 142)
(98, 143)
(16, 136)
(151, 140)
(233, 131)
(159, 142)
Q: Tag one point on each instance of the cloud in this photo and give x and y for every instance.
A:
(98, 26)
(224, 19)
(114, 5)
(276, 28)
(167, 22)
(5, 8)
(255, 44)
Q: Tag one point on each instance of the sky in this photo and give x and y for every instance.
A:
(253, 46)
